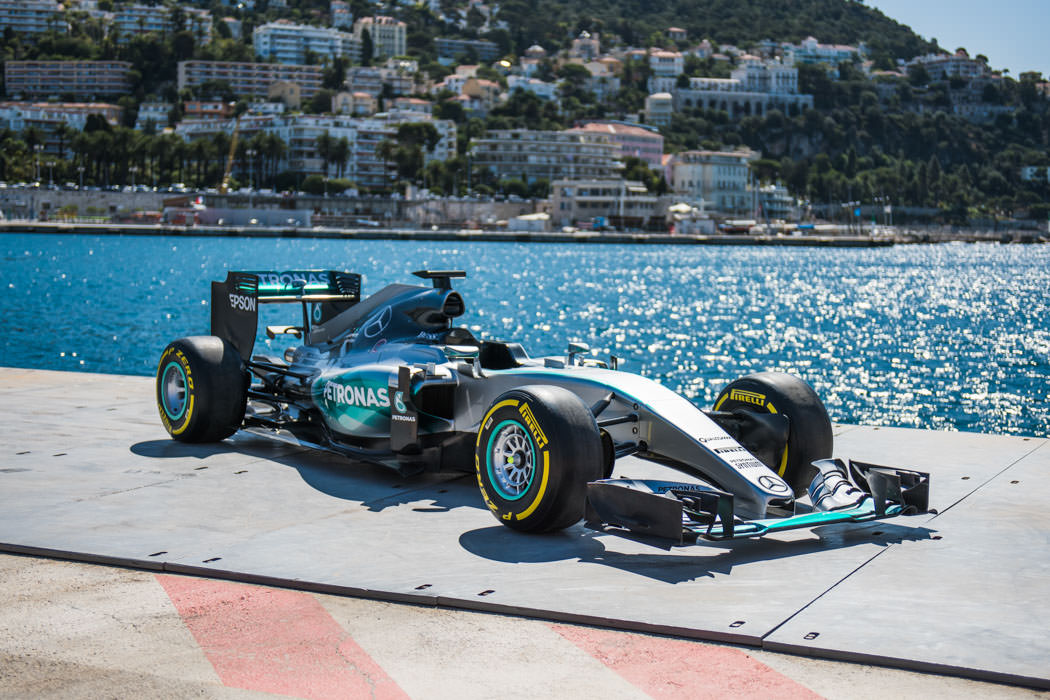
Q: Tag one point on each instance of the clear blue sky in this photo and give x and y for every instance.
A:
(1011, 33)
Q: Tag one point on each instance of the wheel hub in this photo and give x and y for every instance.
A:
(513, 460)
(174, 391)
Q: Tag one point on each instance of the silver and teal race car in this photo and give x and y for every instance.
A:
(391, 379)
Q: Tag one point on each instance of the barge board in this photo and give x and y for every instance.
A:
(88, 473)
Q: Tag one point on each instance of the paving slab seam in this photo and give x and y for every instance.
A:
(990, 479)
(910, 665)
(826, 591)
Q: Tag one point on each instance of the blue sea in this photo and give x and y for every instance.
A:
(943, 337)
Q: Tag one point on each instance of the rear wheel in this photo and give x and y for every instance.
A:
(201, 389)
(809, 434)
(537, 448)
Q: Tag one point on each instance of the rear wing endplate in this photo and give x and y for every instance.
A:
(235, 302)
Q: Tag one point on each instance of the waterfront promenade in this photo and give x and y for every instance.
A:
(882, 237)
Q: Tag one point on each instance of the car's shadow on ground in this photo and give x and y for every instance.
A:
(677, 564)
(377, 488)
(372, 486)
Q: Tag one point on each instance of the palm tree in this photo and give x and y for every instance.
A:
(341, 154)
(274, 149)
(324, 145)
(63, 131)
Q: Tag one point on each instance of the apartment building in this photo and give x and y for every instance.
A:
(619, 203)
(341, 16)
(388, 35)
(31, 16)
(79, 79)
(636, 141)
(132, 20)
(449, 49)
(373, 79)
(719, 179)
(249, 79)
(553, 155)
(289, 43)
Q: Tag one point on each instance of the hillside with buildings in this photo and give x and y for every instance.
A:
(765, 110)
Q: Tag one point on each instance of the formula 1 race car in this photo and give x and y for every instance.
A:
(391, 380)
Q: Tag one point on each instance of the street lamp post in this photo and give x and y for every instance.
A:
(50, 174)
(37, 148)
(133, 169)
(251, 153)
(80, 169)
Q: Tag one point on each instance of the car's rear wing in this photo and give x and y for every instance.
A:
(235, 302)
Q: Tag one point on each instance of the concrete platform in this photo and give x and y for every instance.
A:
(87, 473)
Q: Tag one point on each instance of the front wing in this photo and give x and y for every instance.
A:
(680, 513)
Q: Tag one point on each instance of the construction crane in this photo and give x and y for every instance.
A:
(225, 184)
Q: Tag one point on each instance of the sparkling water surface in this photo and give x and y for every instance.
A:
(952, 336)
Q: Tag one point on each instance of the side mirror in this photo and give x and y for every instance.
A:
(576, 349)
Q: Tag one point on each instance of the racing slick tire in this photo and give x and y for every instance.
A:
(809, 434)
(202, 389)
(537, 448)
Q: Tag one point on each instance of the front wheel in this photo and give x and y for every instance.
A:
(202, 388)
(537, 448)
(809, 434)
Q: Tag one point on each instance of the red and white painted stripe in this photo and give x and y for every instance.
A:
(288, 643)
(276, 641)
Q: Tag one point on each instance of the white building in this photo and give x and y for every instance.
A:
(665, 67)
(811, 51)
(719, 179)
(947, 66)
(286, 42)
(659, 107)
(49, 117)
(755, 88)
(547, 91)
(155, 113)
(388, 35)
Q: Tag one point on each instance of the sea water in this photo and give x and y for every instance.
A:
(949, 336)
